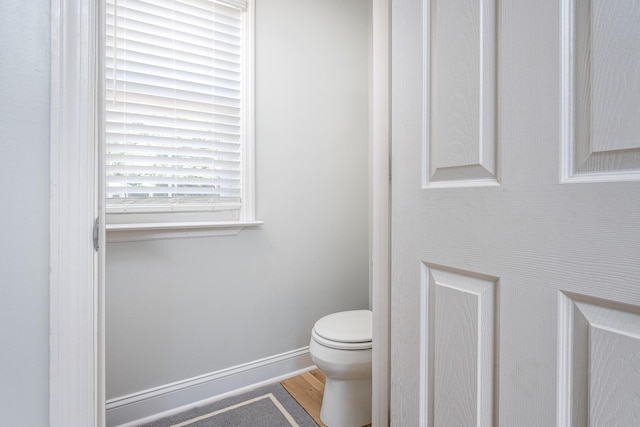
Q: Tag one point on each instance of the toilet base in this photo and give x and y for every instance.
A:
(346, 403)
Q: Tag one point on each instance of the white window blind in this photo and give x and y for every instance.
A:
(173, 105)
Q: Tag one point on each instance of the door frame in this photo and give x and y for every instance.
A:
(76, 317)
(381, 207)
(76, 327)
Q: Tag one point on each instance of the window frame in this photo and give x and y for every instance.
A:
(185, 221)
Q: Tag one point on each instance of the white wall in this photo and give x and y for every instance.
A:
(181, 308)
(24, 216)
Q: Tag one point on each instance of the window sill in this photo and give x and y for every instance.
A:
(175, 230)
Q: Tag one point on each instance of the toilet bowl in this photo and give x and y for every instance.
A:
(341, 347)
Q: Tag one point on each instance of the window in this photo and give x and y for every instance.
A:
(178, 112)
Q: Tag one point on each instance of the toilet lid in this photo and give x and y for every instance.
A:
(354, 326)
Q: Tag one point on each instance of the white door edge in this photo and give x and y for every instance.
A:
(381, 211)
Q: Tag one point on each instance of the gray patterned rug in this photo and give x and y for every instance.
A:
(270, 406)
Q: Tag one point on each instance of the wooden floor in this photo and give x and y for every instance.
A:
(307, 389)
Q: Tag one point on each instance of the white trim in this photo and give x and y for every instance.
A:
(158, 402)
(248, 206)
(564, 387)
(463, 183)
(182, 230)
(174, 225)
(425, 406)
(617, 176)
(566, 91)
(75, 373)
(381, 217)
(426, 97)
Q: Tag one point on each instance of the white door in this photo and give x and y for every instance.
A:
(515, 286)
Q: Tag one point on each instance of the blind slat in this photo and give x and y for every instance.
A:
(240, 4)
(183, 94)
(137, 101)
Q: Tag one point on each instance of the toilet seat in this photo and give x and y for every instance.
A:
(346, 330)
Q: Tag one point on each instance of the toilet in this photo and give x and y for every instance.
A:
(341, 347)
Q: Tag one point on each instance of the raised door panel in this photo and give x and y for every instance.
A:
(599, 379)
(458, 347)
(602, 86)
(461, 100)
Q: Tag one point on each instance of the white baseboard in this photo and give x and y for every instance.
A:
(158, 402)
